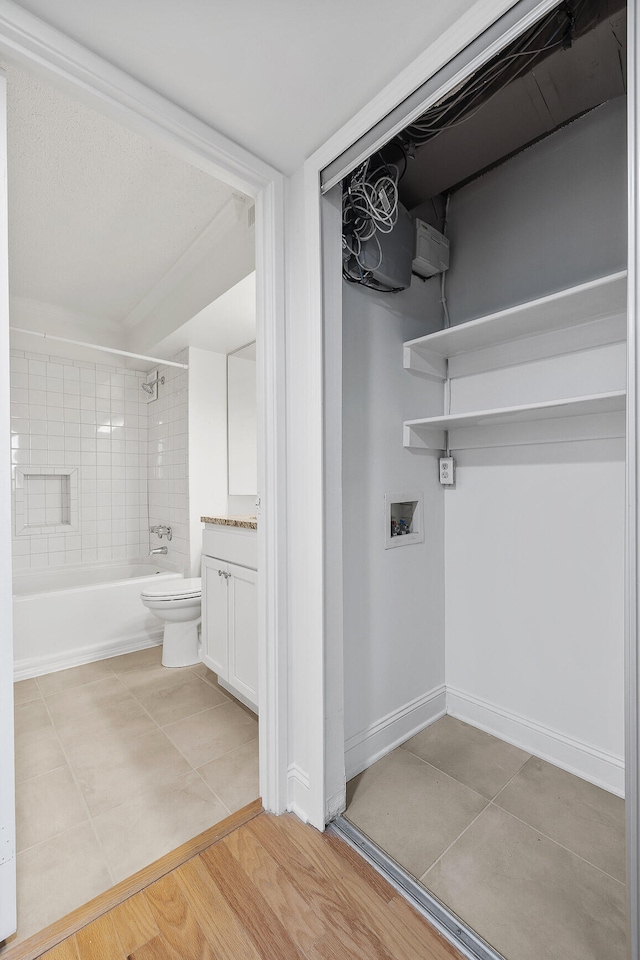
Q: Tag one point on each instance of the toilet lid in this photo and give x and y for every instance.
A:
(186, 589)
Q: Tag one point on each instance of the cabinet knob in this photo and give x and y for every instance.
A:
(223, 573)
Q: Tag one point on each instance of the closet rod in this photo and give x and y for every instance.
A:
(95, 346)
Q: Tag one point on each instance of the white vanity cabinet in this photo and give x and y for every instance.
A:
(229, 609)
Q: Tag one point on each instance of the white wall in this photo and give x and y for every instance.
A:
(241, 415)
(535, 534)
(393, 599)
(168, 483)
(553, 215)
(207, 443)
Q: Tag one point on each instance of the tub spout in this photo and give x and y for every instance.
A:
(157, 550)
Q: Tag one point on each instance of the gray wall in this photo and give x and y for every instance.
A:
(393, 599)
(550, 217)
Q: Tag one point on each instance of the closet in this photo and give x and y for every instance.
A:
(506, 621)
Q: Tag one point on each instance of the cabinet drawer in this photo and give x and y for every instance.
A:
(235, 544)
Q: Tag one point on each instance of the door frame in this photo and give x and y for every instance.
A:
(32, 44)
(324, 298)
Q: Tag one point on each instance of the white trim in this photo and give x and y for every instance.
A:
(578, 757)
(383, 736)
(632, 595)
(298, 785)
(38, 666)
(32, 43)
(7, 775)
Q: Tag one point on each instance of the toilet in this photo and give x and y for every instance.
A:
(178, 603)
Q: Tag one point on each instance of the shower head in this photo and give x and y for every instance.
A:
(151, 386)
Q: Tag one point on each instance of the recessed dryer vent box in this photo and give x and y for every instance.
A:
(403, 520)
(432, 251)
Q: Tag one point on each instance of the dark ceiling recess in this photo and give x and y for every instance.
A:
(564, 65)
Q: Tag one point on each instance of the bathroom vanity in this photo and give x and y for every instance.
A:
(229, 604)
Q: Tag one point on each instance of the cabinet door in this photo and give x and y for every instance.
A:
(243, 631)
(215, 638)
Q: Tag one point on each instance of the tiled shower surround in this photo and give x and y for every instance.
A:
(68, 415)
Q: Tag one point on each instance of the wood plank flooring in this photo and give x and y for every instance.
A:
(271, 889)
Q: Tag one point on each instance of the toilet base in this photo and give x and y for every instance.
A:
(181, 645)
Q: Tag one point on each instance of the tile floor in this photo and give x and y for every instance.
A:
(117, 763)
(531, 857)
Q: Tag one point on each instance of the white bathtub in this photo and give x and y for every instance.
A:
(74, 615)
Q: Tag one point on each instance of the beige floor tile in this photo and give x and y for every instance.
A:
(57, 876)
(580, 816)
(31, 716)
(213, 733)
(235, 776)
(183, 700)
(139, 659)
(150, 825)
(86, 699)
(155, 677)
(53, 683)
(529, 897)
(46, 806)
(202, 670)
(411, 809)
(37, 752)
(471, 756)
(110, 772)
(25, 690)
(116, 722)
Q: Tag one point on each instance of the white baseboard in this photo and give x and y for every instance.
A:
(298, 792)
(37, 666)
(604, 769)
(383, 736)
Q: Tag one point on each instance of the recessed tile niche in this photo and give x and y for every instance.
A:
(46, 500)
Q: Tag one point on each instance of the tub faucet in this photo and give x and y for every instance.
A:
(158, 550)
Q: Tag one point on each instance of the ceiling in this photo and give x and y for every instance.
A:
(101, 220)
(278, 78)
(222, 326)
(557, 89)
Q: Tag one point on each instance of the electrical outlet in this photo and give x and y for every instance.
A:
(447, 470)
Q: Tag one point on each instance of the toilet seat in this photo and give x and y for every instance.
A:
(189, 589)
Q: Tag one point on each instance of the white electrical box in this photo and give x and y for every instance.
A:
(431, 251)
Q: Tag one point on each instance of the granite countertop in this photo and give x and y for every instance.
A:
(249, 523)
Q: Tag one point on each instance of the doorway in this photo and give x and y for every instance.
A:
(202, 686)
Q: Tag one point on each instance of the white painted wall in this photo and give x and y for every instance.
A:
(551, 216)
(393, 599)
(534, 553)
(242, 421)
(207, 443)
(167, 464)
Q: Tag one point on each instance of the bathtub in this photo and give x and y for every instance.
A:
(67, 616)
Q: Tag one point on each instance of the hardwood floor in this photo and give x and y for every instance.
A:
(271, 888)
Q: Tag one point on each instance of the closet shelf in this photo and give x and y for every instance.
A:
(551, 420)
(589, 314)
